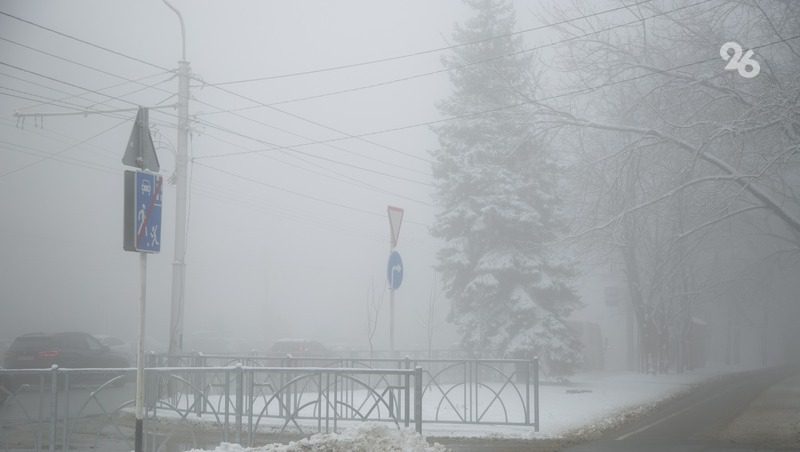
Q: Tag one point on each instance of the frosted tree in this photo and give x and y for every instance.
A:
(509, 286)
(683, 161)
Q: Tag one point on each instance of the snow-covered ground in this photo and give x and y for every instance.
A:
(366, 437)
(589, 402)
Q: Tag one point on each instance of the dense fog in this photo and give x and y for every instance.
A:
(659, 223)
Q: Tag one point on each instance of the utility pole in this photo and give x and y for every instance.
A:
(181, 163)
(179, 264)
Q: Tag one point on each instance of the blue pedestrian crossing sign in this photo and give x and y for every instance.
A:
(142, 212)
(394, 270)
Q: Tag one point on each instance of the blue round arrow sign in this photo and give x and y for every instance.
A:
(394, 270)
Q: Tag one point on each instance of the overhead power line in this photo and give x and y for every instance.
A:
(363, 137)
(313, 141)
(458, 66)
(480, 113)
(93, 68)
(292, 217)
(83, 41)
(80, 109)
(321, 125)
(83, 111)
(197, 100)
(335, 175)
(428, 51)
(294, 148)
(124, 55)
(39, 74)
(302, 195)
(62, 151)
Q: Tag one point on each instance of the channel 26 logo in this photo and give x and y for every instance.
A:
(743, 63)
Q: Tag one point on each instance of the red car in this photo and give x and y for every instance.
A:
(69, 350)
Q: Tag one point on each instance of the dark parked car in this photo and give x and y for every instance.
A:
(70, 350)
(4, 388)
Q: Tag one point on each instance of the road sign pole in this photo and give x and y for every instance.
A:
(142, 233)
(391, 319)
(138, 444)
(395, 220)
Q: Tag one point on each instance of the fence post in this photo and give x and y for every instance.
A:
(198, 361)
(251, 381)
(418, 399)
(407, 396)
(536, 393)
(287, 393)
(239, 401)
(527, 376)
(227, 405)
(65, 431)
(53, 405)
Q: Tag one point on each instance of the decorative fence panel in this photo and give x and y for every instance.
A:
(223, 398)
(485, 391)
(59, 409)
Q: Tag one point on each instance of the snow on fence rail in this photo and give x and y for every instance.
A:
(485, 391)
(49, 409)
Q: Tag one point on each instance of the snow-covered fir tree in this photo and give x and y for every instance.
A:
(509, 286)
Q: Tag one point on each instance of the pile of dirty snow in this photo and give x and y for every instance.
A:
(366, 437)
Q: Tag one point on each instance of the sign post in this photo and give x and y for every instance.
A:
(394, 270)
(142, 233)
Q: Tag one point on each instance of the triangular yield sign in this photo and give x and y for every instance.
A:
(395, 219)
(140, 151)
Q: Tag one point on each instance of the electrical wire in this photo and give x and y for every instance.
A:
(38, 74)
(313, 141)
(28, 150)
(526, 102)
(80, 95)
(311, 155)
(362, 137)
(301, 195)
(199, 101)
(81, 109)
(323, 126)
(341, 177)
(474, 114)
(62, 151)
(83, 41)
(316, 123)
(212, 192)
(219, 88)
(59, 57)
(460, 66)
(71, 96)
(294, 148)
(428, 51)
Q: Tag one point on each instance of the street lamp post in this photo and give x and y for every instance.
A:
(181, 163)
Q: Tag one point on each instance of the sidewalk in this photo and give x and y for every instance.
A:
(772, 420)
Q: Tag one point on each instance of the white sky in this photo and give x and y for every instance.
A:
(276, 263)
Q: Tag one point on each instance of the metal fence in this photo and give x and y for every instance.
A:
(208, 400)
(485, 391)
(93, 409)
